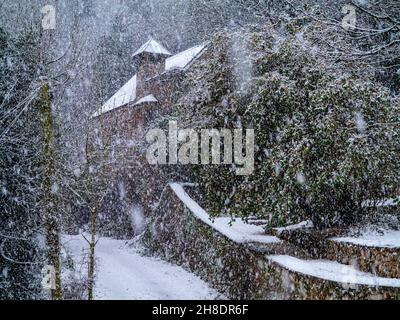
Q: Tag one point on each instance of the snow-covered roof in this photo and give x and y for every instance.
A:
(127, 93)
(148, 99)
(123, 96)
(152, 46)
(183, 59)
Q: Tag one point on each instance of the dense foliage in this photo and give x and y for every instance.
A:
(326, 133)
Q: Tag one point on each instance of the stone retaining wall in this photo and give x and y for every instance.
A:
(239, 271)
(384, 262)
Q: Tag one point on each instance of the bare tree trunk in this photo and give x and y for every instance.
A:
(91, 267)
(50, 202)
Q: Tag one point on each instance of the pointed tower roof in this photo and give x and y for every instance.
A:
(152, 46)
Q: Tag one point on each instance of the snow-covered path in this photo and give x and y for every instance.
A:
(124, 274)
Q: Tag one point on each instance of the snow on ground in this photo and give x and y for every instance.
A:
(389, 239)
(237, 230)
(333, 271)
(124, 274)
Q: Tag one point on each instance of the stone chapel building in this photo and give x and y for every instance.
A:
(153, 87)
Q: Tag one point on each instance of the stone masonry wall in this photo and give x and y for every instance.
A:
(239, 271)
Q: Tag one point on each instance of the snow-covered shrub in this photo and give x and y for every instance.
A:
(74, 277)
(327, 135)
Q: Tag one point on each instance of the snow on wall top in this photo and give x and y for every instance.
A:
(152, 46)
(389, 239)
(333, 271)
(123, 96)
(149, 98)
(302, 225)
(238, 231)
(381, 203)
(182, 59)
